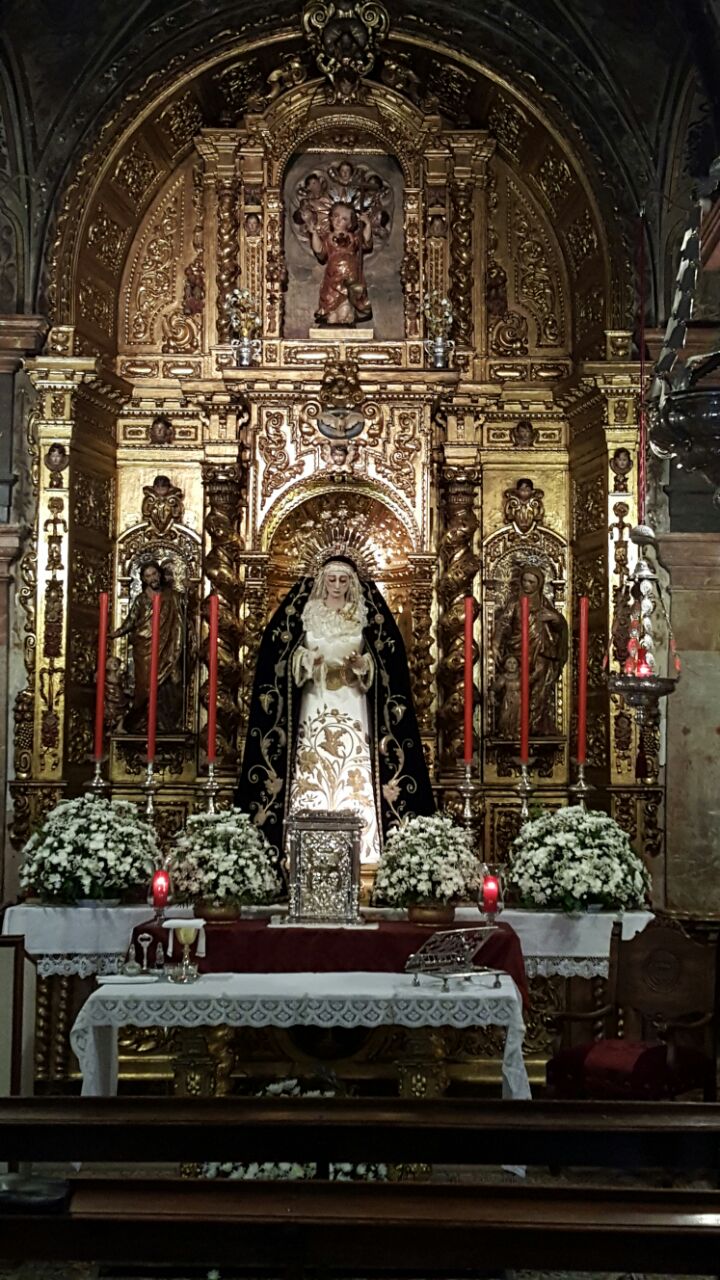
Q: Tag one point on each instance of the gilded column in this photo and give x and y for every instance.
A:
(421, 653)
(218, 150)
(223, 482)
(459, 563)
(461, 262)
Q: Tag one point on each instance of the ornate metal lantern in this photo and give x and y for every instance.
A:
(642, 635)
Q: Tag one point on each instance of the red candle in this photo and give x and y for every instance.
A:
(490, 893)
(154, 667)
(582, 679)
(468, 687)
(100, 676)
(212, 680)
(160, 888)
(524, 680)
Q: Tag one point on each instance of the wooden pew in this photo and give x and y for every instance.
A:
(449, 1131)
(367, 1229)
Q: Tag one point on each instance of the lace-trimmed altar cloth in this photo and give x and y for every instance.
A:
(76, 941)
(83, 941)
(296, 999)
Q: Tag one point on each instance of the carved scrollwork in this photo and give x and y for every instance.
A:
(273, 446)
(153, 285)
(537, 283)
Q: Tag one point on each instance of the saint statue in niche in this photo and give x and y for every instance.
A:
(548, 655)
(332, 723)
(138, 626)
(342, 214)
(341, 247)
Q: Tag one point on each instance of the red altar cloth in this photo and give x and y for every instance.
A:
(250, 946)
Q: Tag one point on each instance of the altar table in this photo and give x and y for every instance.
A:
(252, 946)
(297, 999)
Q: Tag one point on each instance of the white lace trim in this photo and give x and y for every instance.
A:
(81, 966)
(566, 966)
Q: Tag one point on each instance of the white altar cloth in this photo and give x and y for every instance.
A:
(85, 940)
(296, 999)
(76, 940)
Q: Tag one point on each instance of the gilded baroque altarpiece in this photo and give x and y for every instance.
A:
(332, 436)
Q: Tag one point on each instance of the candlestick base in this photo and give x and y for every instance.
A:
(581, 789)
(98, 786)
(150, 786)
(210, 789)
(525, 790)
(468, 789)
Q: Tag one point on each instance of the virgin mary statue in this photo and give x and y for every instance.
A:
(332, 723)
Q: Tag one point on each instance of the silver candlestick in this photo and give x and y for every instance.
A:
(98, 786)
(466, 789)
(211, 788)
(150, 786)
(581, 789)
(525, 790)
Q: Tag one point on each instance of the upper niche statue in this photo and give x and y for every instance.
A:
(342, 214)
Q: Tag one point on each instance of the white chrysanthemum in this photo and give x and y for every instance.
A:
(571, 858)
(426, 860)
(90, 848)
(224, 855)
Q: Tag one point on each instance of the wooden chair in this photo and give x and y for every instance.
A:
(661, 1018)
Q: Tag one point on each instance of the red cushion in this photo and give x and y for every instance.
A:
(624, 1069)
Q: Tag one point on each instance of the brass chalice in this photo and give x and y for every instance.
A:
(186, 932)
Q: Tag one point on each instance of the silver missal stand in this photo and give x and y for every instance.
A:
(323, 867)
(451, 954)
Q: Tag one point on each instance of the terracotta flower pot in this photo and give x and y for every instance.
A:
(217, 910)
(439, 914)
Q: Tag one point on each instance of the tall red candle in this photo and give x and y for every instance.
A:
(468, 683)
(212, 680)
(524, 680)
(582, 680)
(100, 676)
(154, 667)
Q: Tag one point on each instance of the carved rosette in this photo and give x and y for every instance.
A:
(459, 563)
(227, 250)
(461, 262)
(223, 507)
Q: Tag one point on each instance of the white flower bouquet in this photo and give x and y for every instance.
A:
(223, 856)
(89, 849)
(572, 859)
(426, 861)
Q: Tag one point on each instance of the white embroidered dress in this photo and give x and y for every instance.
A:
(333, 767)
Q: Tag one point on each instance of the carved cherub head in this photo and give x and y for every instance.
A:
(56, 458)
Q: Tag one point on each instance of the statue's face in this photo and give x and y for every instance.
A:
(342, 218)
(529, 583)
(345, 171)
(337, 583)
(524, 490)
(151, 577)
